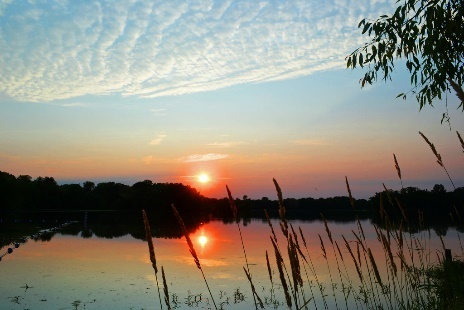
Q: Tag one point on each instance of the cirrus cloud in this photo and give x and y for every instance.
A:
(62, 49)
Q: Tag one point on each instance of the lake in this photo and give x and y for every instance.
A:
(82, 265)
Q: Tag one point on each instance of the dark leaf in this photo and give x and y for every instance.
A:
(362, 22)
(366, 26)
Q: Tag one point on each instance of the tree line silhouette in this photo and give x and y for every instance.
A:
(44, 203)
(44, 193)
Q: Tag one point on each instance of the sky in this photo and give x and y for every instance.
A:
(243, 91)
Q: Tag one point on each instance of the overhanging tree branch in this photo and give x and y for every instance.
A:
(429, 35)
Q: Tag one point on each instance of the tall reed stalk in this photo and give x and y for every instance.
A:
(192, 249)
(349, 192)
(247, 271)
(166, 291)
(270, 275)
(329, 234)
(313, 271)
(398, 170)
(151, 251)
(332, 284)
(292, 247)
(438, 156)
(401, 279)
(280, 266)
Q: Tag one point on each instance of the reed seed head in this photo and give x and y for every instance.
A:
(294, 263)
(187, 237)
(151, 248)
(302, 236)
(437, 155)
(283, 224)
(374, 267)
(358, 270)
(398, 170)
(322, 246)
(279, 192)
(339, 252)
(349, 192)
(460, 140)
(386, 246)
(232, 203)
(280, 262)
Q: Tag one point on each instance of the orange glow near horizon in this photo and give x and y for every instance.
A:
(318, 175)
(206, 177)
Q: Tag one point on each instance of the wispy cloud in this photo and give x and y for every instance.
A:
(225, 144)
(311, 142)
(158, 112)
(157, 140)
(63, 49)
(202, 157)
(74, 105)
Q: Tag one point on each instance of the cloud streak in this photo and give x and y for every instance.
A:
(158, 112)
(57, 49)
(225, 144)
(202, 157)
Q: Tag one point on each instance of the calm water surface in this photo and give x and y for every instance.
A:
(72, 272)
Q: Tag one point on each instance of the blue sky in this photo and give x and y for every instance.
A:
(242, 90)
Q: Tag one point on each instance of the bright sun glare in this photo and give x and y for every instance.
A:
(203, 178)
(202, 240)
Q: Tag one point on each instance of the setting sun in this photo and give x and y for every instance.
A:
(202, 240)
(203, 178)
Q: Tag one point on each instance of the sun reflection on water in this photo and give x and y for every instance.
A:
(202, 240)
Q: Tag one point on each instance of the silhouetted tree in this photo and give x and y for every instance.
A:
(429, 35)
(438, 189)
(88, 186)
